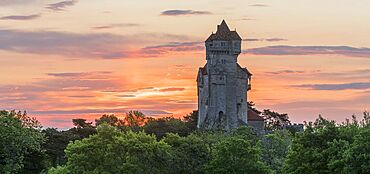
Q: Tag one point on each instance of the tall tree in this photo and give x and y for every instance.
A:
(275, 149)
(112, 151)
(109, 119)
(81, 123)
(326, 147)
(191, 120)
(135, 119)
(55, 144)
(252, 106)
(160, 127)
(235, 155)
(308, 153)
(357, 156)
(18, 138)
(189, 154)
(275, 120)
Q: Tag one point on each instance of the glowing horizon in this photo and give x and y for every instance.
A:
(81, 59)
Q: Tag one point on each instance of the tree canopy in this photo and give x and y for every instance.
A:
(325, 147)
(113, 151)
(19, 136)
(139, 144)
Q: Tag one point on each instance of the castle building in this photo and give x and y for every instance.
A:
(222, 83)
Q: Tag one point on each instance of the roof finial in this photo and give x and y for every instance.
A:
(223, 22)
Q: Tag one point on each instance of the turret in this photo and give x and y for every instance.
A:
(223, 41)
(222, 83)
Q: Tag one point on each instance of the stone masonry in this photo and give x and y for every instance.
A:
(223, 83)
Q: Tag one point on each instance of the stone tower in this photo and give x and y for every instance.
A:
(222, 82)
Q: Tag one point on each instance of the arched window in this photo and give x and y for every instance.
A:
(220, 115)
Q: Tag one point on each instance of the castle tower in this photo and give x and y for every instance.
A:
(222, 82)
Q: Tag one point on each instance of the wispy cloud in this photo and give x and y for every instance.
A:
(110, 26)
(70, 94)
(171, 47)
(77, 45)
(329, 104)
(341, 86)
(259, 5)
(265, 39)
(81, 96)
(82, 75)
(253, 40)
(285, 72)
(246, 19)
(359, 75)
(99, 80)
(61, 6)
(54, 90)
(310, 50)
(126, 95)
(184, 12)
(275, 39)
(65, 44)
(15, 2)
(129, 90)
(20, 17)
(171, 89)
(96, 111)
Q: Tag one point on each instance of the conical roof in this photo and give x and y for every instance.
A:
(223, 33)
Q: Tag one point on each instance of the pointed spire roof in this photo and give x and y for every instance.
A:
(223, 27)
(223, 33)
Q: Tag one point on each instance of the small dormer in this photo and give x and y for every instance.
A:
(224, 41)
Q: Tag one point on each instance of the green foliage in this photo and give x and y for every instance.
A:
(357, 156)
(189, 154)
(275, 149)
(246, 133)
(135, 119)
(82, 132)
(238, 151)
(235, 155)
(274, 120)
(132, 121)
(59, 170)
(112, 151)
(325, 147)
(191, 120)
(19, 137)
(81, 123)
(108, 119)
(160, 127)
(130, 152)
(55, 144)
(310, 150)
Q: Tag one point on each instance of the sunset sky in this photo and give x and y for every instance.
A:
(82, 58)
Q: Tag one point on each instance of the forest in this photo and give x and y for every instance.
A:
(139, 144)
